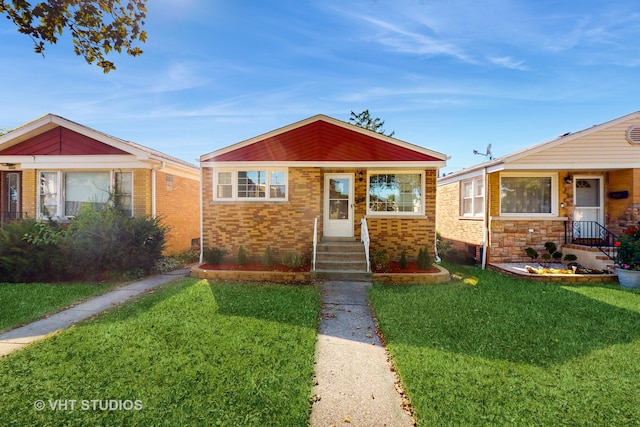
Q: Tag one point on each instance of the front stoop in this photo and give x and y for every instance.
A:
(341, 259)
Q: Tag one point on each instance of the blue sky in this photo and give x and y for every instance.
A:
(452, 76)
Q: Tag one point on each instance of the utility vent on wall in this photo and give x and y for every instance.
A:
(633, 134)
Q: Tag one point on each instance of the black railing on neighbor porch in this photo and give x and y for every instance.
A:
(592, 234)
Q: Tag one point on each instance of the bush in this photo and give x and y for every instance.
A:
(267, 258)
(403, 261)
(29, 251)
(381, 260)
(103, 244)
(214, 256)
(242, 257)
(424, 260)
(293, 260)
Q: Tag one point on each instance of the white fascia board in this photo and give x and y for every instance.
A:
(574, 166)
(346, 165)
(76, 162)
(459, 177)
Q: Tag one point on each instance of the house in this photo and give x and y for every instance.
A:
(579, 191)
(51, 167)
(270, 191)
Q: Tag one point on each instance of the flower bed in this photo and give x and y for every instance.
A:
(553, 273)
(412, 275)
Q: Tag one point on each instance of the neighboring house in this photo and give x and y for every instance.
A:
(268, 190)
(578, 191)
(51, 167)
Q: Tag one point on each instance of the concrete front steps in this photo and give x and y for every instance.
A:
(588, 256)
(341, 259)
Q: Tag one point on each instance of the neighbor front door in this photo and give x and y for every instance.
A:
(338, 205)
(588, 205)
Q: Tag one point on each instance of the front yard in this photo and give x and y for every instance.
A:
(192, 353)
(503, 351)
(483, 350)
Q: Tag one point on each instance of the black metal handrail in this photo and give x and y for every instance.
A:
(592, 234)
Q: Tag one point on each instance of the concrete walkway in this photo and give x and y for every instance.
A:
(18, 338)
(355, 385)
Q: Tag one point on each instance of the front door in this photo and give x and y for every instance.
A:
(588, 206)
(338, 205)
(10, 202)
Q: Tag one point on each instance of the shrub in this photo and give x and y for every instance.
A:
(242, 257)
(105, 243)
(29, 251)
(381, 260)
(293, 260)
(403, 260)
(267, 258)
(424, 260)
(214, 256)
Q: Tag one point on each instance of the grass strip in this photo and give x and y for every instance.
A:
(192, 353)
(24, 302)
(502, 351)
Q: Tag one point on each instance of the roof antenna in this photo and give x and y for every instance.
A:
(487, 154)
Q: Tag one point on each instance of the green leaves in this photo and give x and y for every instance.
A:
(96, 27)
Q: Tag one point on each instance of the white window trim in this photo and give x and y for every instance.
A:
(554, 193)
(474, 186)
(397, 214)
(61, 193)
(234, 185)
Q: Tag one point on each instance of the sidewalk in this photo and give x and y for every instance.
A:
(354, 382)
(18, 338)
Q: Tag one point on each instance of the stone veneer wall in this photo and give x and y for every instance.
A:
(509, 237)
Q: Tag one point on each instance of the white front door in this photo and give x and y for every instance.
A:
(338, 205)
(588, 205)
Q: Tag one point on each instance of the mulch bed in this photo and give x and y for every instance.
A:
(253, 266)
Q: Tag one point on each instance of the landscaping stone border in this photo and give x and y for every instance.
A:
(564, 278)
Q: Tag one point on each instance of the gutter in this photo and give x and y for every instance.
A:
(201, 218)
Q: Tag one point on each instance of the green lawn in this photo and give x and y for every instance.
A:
(191, 353)
(21, 303)
(515, 352)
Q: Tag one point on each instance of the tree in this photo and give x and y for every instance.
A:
(365, 121)
(97, 27)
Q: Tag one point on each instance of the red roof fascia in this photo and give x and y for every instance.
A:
(322, 142)
(61, 141)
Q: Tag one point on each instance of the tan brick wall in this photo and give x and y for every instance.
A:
(179, 208)
(283, 226)
(288, 226)
(142, 192)
(29, 193)
(449, 223)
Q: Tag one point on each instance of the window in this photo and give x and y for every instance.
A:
(124, 192)
(246, 184)
(169, 182)
(64, 194)
(473, 197)
(530, 194)
(395, 193)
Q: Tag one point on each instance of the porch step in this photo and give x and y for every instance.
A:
(341, 259)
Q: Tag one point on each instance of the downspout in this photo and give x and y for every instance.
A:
(201, 218)
(154, 187)
(485, 220)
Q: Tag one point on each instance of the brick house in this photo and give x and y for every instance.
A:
(51, 167)
(271, 189)
(579, 191)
